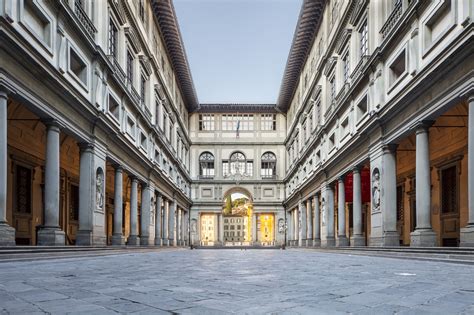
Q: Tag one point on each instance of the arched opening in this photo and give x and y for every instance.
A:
(237, 212)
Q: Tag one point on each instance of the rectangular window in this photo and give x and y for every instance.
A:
(23, 189)
(230, 122)
(74, 203)
(131, 127)
(268, 122)
(225, 168)
(364, 39)
(206, 122)
(113, 39)
(332, 88)
(77, 66)
(250, 168)
(141, 9)
(114, 108)
(400, 203)
(449, 190)
(345, 66)
(143, 141)
(143, 88)
(129, 67)
(397, 68)
(362, 108)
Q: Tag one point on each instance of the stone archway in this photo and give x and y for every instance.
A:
(237, 213)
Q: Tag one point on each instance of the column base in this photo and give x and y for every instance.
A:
(423, 238)
(342, 241)
(84, 238)
(7, 235)
(133, 240)
(317, 242)
(357, 240)
(467, 236)
(158, 242)
(329, 242)
(391, 239)
(376, 241)
(51, 236)
(146, 241)
(118, 240)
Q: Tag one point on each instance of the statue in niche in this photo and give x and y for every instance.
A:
(281, 226)
(323, 211)
(100, 188)
(193, 226)
(376, 189)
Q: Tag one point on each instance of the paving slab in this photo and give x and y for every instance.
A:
(235, 282)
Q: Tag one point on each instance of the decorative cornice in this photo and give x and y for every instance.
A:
(132, 39)
(168, 23)
(306, 30)
(237, 108)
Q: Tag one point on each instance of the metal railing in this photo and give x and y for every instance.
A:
(399, 8)
(84, 19)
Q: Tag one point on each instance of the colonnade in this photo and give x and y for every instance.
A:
(170, 228)
(311, 221)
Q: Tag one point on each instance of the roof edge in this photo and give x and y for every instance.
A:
(307, 27)
(168, 23)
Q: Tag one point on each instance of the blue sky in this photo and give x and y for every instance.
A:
(237, 49)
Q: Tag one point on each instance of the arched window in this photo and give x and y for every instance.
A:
(206, 165)
(237, 163)
(268, 165)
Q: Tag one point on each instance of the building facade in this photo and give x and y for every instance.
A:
(370, 143)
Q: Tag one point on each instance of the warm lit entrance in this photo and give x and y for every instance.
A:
(265, 229)
(237, 216)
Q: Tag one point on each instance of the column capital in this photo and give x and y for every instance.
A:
(118, 167)
(86, 146)
(356, 168)
(3, 93)
(340, 178)
(158, 194)
(52, 124)
(423, 126)
(133, 178)
(389, 148)
(470, 97)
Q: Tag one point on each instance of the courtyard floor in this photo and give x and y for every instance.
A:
(236, 281)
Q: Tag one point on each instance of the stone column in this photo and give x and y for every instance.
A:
(389, 196)
(172, 226)
(296, 228)
(309, 223)
(158, 240)
(302, 223)
(117, 237)
(145, 216)
(254, 228)
(467, 233)
(316, 222)
(166, 209)
(357, 238)
(87, 193)
(51, 233)
(423, 234)
(289, 227)
(133, 238)
(221, 229)
(178, 226)
(7, 233)
(341, 214)
(330, 240)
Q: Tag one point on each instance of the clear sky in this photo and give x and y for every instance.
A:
(237, 49)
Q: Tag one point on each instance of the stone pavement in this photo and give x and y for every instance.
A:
(236, 281)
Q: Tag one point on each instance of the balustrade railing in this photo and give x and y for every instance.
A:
(84, 19)
(399, 8)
